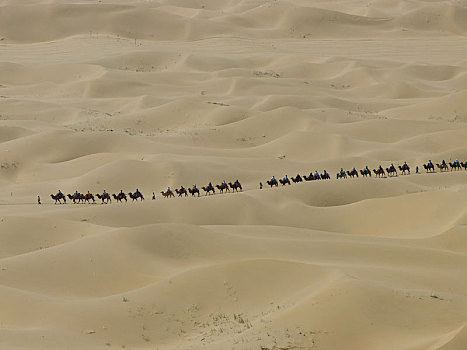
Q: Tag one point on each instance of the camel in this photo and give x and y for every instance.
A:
(464, 165)
(193, 191)
(167, 194)
(325, 176)
(341, 175)
(391, 171)
(311, 177)
(181, 191)
(136, 196)
(404, 168)
(104, 196)
(272, 182)
(88, 197)
(365, 172)
(119, 197)
(380, 172)
(58, 197)
(429, 167)
(442, 166)
(235, 186)
(455, 166)
(223, 187)
(297, 178)
(208, 189)
(352, 173)
(76, 197)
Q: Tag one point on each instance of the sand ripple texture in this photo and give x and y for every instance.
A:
(116, 95)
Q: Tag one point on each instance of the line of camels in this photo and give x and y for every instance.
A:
(236, 186)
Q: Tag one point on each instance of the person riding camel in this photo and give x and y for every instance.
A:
(224, 183)
(342, 172)
(59, 194)
(285, 178)
(456, 163)
(169, 190)
(443, 163)
(317, 174)
(210, 184)
(76, 194)
(121, 194)
(325, 173)
(105, 193)
(194, 187)
(430, 164)
(89, 193)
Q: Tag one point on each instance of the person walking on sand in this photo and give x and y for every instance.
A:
(153, 196)
(39, 200)
(260, 185)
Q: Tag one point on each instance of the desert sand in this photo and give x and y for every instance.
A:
(148, 94)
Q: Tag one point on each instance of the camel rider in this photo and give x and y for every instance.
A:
(392, 166)
(285, 178)
(342, 171)
(194, 187)
(354, 170)
(325, 173)
(210, 184)
(224, 183)
(456, 162)
(76, 194)
(443, 163)
(121, 193)
(380, 168)
(105, 193)
(316, 174)
(169, 190)
(59, 193)
(430, 164)
(367, 170)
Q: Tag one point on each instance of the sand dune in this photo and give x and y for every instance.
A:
(127, 94)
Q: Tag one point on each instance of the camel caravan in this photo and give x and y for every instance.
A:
(106, 198)
(210, 189)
